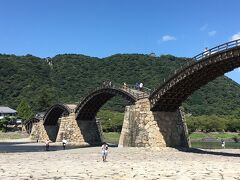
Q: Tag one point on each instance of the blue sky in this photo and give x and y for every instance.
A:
(101, 28)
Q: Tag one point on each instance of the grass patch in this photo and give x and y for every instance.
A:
(111, 137)
(216, 135)
(12, 135)
(226, 135)
(198, 135)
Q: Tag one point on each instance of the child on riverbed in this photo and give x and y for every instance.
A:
(104, 151)
(223, 143)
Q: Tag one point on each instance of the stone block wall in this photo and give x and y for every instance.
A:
(143, 128)
(82, 133)
(79, 132)
(39, 132)
(125, 137)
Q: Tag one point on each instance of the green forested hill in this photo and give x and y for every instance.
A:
(26, 77)
(67, 78)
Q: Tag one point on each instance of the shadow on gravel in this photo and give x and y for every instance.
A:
(201, 151)
(11, 143)
(16, 147)
(112, 145)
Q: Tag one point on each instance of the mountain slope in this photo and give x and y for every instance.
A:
(67, 78)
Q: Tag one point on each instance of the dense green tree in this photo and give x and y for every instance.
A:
(3, 123)
(111, 121)
(24, 110)
(45, 99)
(213, 123)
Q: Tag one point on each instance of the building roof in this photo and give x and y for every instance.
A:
(4, 109)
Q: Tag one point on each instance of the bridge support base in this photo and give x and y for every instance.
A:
(39, 132)
(144, 128)
(83, 133)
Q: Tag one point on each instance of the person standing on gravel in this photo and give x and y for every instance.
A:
(64, 142)
(223, 144)
(47, 142)
(104, 151)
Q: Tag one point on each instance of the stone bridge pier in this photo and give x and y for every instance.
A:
(82, 133)
(43, 132)
(144, 128)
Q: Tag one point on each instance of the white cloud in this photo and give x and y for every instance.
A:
(238, 69)
(212, 33)
(168, 38)
(235, 36)
(204, 27)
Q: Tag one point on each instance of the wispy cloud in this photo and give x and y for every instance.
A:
(168, 38)
(212, 33)
(204, 27)
(235, 36)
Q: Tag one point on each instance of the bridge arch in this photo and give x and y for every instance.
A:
(51, 117)
(207, 66)
(54, 113)
(29, 124)
(90, 105)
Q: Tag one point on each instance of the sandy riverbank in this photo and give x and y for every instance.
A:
(123, 163)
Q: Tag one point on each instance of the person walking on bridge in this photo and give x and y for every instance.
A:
(141, 86)
(206, 52)
(124, 85)
(137, 86)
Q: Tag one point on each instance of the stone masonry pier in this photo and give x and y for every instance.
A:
(144, 128)
(83, 133)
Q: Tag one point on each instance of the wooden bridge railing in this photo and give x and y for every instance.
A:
(131, 89)
(217, 49)
(199, 57)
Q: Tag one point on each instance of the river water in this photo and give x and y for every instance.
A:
(214, 145)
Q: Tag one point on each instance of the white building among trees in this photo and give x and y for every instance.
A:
(6, 111)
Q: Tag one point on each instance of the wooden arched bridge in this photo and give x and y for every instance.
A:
(86, 110)
(89, 106)
(206, 67)
(153, 118)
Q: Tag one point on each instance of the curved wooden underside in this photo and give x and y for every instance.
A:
(177, 89)
(90, 105)
(54, 113)
(29, 124)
